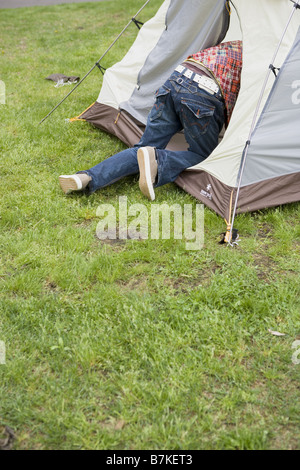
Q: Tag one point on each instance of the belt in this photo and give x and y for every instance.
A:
(207, 84)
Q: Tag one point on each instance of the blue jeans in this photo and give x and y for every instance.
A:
(180, 105)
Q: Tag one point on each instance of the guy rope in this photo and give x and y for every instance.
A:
(97, 64)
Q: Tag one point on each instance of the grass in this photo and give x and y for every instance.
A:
(137, 344)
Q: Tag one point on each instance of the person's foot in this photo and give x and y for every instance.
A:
(148, 171)
(77, 182)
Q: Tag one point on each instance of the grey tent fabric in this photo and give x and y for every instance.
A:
(207, 27)
(275, 145)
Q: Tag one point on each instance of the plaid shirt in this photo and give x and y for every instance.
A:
(225, 62)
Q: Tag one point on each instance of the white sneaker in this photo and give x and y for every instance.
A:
(148, 171)
(77, 182)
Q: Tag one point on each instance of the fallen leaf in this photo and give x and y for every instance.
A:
(276, 333)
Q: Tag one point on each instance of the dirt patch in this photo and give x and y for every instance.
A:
(136, 283)
(285, 435)
(182, 284)
(115, 238)
(264, 230)
(264, 265)
(8, 440)
(85, 223)
(50, 285)
(185, 284)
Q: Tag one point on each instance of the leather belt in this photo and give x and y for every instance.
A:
(207, 84)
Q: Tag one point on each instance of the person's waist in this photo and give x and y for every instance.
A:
(197, 68)
(202, 78)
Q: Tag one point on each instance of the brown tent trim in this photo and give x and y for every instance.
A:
(206, 189)
(115, 122)
(216, 195)
(269, 193)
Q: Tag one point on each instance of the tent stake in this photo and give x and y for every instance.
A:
(97, 63)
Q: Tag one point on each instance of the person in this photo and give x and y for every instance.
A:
(198, 98)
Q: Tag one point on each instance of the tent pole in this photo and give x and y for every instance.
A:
(97, 63)
(245, 152)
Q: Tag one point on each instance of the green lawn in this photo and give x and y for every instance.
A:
(137, 344)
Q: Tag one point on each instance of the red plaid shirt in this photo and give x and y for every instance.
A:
(225, 62)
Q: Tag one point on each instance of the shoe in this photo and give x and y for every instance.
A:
(77, 182)
(148, 171)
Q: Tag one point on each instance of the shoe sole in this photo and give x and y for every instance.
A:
(70, 183)
(145, 182)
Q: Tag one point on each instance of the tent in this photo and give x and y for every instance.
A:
(257, 162)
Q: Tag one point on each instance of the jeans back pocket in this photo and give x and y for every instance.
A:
(196, 116)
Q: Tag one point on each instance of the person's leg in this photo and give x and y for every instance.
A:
(112, 169)
(162, 124)
(103, 174)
